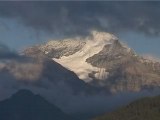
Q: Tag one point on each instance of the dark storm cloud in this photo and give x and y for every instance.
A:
(78, 18)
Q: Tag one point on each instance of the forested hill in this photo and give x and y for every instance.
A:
(144, 109)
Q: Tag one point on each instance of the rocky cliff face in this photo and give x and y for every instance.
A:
(59, 48)
(103, 61)
(127, 71)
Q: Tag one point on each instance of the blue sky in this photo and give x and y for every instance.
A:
(16, 36)
(141, 43)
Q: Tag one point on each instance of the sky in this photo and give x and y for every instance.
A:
(23, 24)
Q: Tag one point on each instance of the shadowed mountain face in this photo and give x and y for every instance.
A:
(46, 77)
(143, 109)
(24, 105)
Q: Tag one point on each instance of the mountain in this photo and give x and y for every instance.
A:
(143, 109)
(40, 72)
(101, 60)
(24, 105)
(46, 77)
(80, 75)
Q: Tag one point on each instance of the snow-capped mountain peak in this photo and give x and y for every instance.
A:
(73, 53)
(100, 59)
(77, 61)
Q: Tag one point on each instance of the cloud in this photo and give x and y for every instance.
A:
(78, 18)
(9, 55)
(6, 53)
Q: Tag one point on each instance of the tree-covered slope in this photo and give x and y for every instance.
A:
(143, 109)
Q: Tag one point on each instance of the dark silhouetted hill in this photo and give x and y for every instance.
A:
(24, 105)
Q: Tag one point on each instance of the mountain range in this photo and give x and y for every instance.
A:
(101, 60)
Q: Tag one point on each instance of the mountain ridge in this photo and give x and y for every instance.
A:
(143, 109)
(104, 61)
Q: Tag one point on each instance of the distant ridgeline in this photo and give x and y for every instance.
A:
(143, 109)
